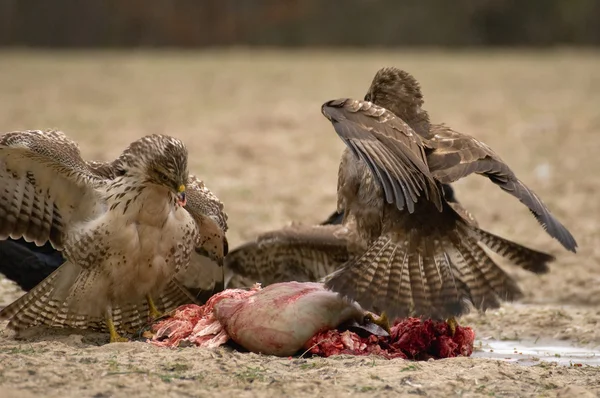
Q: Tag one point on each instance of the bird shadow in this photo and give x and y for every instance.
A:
(75, 338)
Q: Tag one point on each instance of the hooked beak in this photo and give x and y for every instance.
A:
(181, 195)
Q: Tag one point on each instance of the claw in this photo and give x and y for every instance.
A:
(381, 321)
(452, 324)
(154, 313)
(114, 336)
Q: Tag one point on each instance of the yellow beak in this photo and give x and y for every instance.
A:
(181, 195)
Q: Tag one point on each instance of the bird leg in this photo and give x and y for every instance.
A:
(114, 336)
(381, 321)
(452, 324)
(153, 311)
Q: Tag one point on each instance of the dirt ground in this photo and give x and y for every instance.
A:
(252, 123)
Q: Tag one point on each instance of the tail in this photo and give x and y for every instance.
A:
(433, 275)
(130, 318)
(528, 259)
(59, 301)
(42, 305)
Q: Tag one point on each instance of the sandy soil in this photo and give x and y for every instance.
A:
(252, 123)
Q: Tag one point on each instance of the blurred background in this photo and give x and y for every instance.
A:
(241, 82)
(298, 23)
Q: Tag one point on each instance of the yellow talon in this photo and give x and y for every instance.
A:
(452, 323)
(154, 312)
(381, 321)
(114, 336)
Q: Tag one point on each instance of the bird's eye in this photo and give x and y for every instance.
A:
(163, 177)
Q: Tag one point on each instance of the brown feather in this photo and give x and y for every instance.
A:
(400, 280)
(42, 305)
(388, 146)
(433, 273)
(528, 259)
(403, 275)
(49, 193)
(399, 272)
(295, 253)
(45, 305)
(453, 155)
(43, 179)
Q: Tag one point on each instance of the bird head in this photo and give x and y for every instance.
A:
(160, 160)
(213, 242)
(400, 93)
(207, 210)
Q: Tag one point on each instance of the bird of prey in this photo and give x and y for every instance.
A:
(27, 264)
(423, 257)
(310, 253)
(126, 229)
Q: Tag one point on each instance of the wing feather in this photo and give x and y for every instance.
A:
(45, 186)
(297, 252)
(452, 155)
(392, 151)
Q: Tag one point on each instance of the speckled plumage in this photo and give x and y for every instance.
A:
(302, 253)
(119, 226)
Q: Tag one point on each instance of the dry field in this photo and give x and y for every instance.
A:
(252, 123)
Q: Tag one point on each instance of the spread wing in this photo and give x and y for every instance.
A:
(103, 169)
(393, 152)
(452, 155)
(299, 252)
(45, 187)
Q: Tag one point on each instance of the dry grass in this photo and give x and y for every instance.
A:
(252, 123)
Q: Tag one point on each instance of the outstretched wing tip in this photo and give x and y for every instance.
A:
(554, 228)
(570, 243)
(328, 108)
(566, 239)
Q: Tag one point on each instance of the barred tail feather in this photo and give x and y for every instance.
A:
(403, 276)
(416, 281)
(174, 295)
(528, 259)
(131, 317)
(355, 278)
(42, 304)
(56, 302)
(487, 282)
(434, 275)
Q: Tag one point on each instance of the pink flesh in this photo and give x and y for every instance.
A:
(287, 317)
(282, 317)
